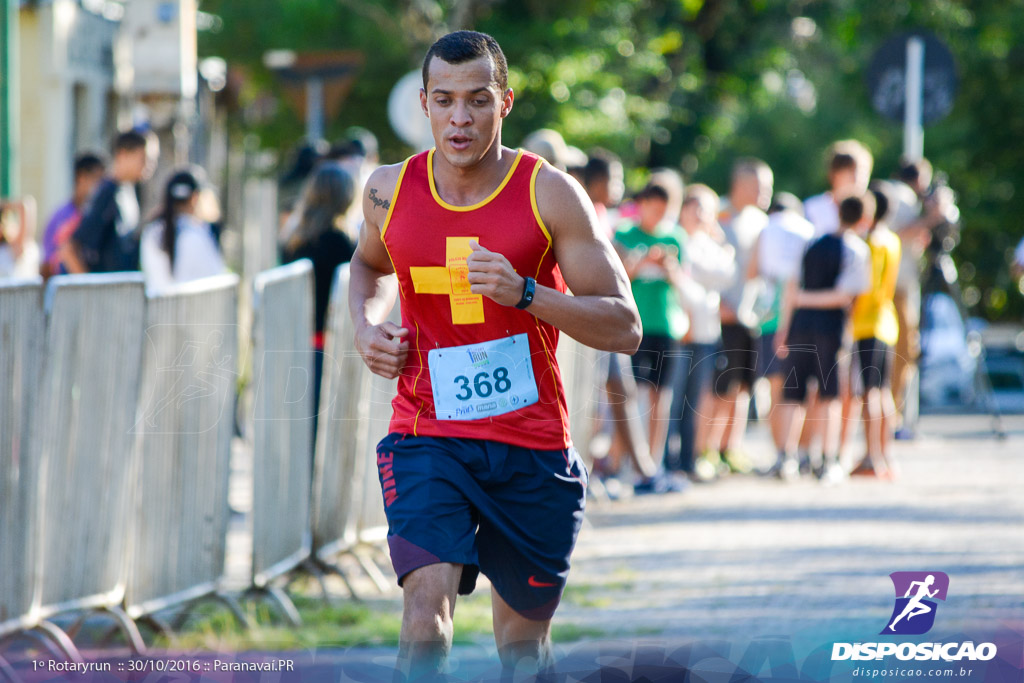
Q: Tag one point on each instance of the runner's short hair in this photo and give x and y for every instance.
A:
(465, 46)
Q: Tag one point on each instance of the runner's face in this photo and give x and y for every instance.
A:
(465, 108)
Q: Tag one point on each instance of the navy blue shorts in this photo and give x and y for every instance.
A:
(512, 513)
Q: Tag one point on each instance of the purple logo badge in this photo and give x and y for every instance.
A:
(916, 593)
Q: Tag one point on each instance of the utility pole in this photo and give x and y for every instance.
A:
(9, 131)
(913, 128)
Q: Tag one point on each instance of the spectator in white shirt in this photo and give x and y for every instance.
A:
(776, 261)
(710, 267)
(849, 170)
(179, 246)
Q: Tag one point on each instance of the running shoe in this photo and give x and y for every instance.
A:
(660, 483)
(705, 466)
(738, 461)
(832, 474)
(863, 469)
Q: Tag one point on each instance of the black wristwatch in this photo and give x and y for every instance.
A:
(529, 288)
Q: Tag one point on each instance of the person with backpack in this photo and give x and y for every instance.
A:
(107, 238)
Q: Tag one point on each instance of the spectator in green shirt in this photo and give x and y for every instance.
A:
(652, 249)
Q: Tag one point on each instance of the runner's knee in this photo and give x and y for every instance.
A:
(426, 620)
(429, 603)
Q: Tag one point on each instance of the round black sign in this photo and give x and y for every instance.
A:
(887, 73)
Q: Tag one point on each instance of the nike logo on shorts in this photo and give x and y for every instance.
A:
(571, 480)
(539, 584)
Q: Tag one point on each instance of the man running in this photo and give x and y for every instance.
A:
(915, 607)
(479, 473)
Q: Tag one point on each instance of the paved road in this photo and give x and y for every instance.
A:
(747, 557)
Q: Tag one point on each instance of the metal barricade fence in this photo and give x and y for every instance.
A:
(373, 524)
(342, 430)
(190, 370)
(578, 365)
(21, 329)
(283, 410)
(83, 441)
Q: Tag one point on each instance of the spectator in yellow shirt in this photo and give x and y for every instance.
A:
(875, 332)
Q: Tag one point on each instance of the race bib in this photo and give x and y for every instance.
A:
(475, 381)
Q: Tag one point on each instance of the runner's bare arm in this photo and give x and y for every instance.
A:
(600, 312)
(373, 286)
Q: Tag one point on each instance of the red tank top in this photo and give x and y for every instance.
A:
(427, 240)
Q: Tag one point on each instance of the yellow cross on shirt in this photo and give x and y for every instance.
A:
(452, 279)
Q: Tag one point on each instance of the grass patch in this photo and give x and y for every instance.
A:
(374, 623)
(647, 631)
(473, 619)
(567, 633)
(595, 595)
(584, 596)
(211, 627)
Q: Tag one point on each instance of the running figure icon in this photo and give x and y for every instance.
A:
(915, 607)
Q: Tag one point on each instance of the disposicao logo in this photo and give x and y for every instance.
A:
(916, 592)
(913, 615)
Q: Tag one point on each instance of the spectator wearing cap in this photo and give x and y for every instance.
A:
(549, 145)
(178, 246)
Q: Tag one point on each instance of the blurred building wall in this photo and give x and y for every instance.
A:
(90, 68)
(67, 100)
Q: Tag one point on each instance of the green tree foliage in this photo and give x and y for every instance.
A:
(690, 84)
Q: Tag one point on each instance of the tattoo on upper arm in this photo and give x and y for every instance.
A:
(377, 201)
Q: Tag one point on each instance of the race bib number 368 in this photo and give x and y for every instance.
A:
(475, 381)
